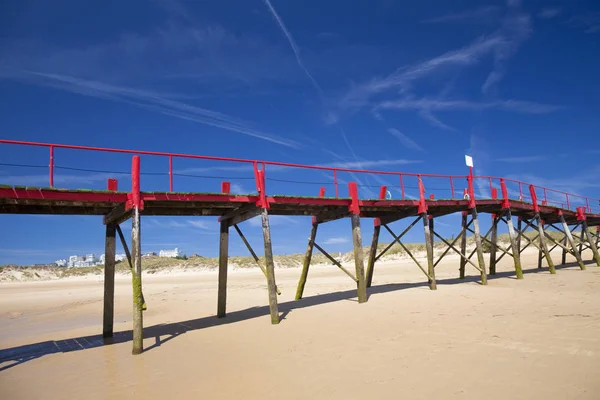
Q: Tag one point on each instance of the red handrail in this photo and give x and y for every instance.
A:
(51, 146)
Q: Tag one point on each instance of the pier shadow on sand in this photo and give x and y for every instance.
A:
(163, 333)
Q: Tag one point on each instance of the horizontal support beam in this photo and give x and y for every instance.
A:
(118, 215)
(241, 214)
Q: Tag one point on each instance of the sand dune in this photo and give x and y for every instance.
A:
(530, 339)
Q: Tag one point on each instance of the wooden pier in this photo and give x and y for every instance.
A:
(117, 207)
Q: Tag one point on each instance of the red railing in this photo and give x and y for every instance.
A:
(441, 186)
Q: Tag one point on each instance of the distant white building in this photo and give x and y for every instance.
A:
(118, 257)
(170, 253)
(89, 260)
(61, 263)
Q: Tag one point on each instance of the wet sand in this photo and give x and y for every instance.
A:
(532, 339)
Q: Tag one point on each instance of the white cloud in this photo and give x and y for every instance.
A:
(199, 224)
(405, 140)
(518, 106)
(150, 101)
(293, 45)
(361, 164)
(521, 159)
(274, 220)
(336, 240)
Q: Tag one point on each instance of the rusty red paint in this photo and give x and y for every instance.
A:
(354, 205)
(422, 205)
(170, 173)
(536, 208)
(505, 201)
(112, 185)
(226, 187)
(382, 192)
(51, 166)
(136, 199)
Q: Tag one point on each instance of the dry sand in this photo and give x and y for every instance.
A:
(532, 339)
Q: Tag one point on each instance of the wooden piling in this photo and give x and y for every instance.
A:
(429, 248)
(136, 281)
(270, 267)
(519, 233)
(514, 246)
(109, 281)
(223, 261)
(543, 244)
(494, 245)
(571, 242)
(359, 262)
(373, 254)
(479, 246)
(307, 259)
(463, 246)
(590, 240)
(563, 259)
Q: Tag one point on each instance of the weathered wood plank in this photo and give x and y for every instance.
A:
(117, 215)
(574, 248)
(463, 246)
(494, 246)
(136, 283)
(223, 261)
(372, 254)
(307, 259)
(514, 246)
(270, 267)
(335, 262)
(359, 261)
(479, 246)
(591, 242)
(429, 248)
(109, 281)
(543, 244)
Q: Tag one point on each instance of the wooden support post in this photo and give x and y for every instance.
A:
(520, 232)
(540, 257)
(307, 259)
(373, 254)
(514, 246)
(590, 240)
(270, 267)
(129, 259)
(429, 247)
(543, 244)
(109, 281)
(563, 259)
(359, 262)
(223, 261)
(463, 246)
(136, 281)
(581, 240)
(494, 245)
(479, 246)
(572, 242)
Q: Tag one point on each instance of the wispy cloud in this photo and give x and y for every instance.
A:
(274, 220)
(362, 164)
(521, 159)
(590, 22)
(515, 30)
(293, 45)
(518, 106)
(176, 224)
(479, 14)
(336, 240)
(150, 101)
(405, 140)
(501, 45)
(549, 12)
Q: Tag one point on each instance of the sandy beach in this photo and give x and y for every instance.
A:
(530, 339)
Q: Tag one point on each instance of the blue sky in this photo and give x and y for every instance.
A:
(377, 85)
